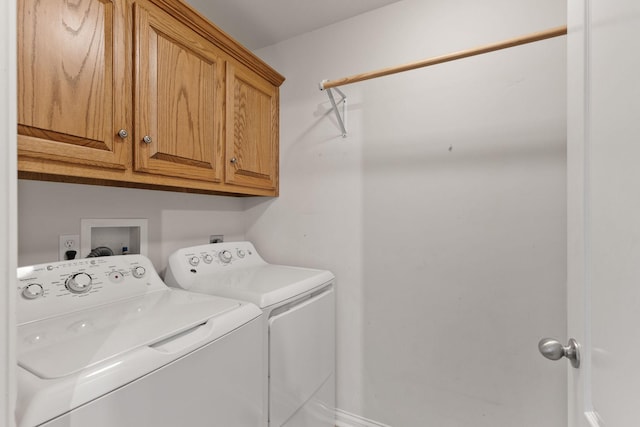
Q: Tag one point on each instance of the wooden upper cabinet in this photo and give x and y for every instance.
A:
(72, 85)
(198, 112)
(179, 98)
(252, 130)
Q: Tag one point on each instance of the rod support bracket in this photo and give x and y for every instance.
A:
(340, 117)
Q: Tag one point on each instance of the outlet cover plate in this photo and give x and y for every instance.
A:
(68, 242)
(216, 238)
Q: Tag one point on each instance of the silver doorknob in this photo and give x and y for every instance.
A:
(147, 139)
(233, 160)
(554, 350)
(122, 133)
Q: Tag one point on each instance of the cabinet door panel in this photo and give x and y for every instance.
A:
(252, 130)
(72, 87)
(179, 99)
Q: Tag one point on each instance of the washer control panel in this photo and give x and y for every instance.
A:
(55, 288)
(186, 265)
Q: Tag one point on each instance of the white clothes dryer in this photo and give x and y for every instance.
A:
(103, 342)
(298, 324)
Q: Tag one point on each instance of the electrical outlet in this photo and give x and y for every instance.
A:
(216, 238)
(67, 244)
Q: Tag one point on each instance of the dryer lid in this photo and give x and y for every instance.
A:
(68, 344)
(263, 285)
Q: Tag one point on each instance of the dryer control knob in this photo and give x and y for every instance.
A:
(79, 283)
(225, 256)
(208, 258)
(32, 291)
(194, 261)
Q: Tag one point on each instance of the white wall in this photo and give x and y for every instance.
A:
(8, 211)
(442, 214)
(176, 220)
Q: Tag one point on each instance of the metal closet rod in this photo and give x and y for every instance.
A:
(517, 41)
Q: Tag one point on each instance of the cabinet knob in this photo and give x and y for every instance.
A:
(233, 160)
(147, 139)
(122, 133)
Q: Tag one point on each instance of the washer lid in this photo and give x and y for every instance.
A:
(66, 345)
(263, 285)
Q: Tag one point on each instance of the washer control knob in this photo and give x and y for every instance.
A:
(116, 277)
(225, 256)
(32, 291)
(194, 260)
(139, 272)
(208, 258)
(79, 283)
(241, 253)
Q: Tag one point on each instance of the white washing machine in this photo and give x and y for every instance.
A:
(103, 342)
(299, 324)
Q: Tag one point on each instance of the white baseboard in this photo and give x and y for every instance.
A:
(346, 419)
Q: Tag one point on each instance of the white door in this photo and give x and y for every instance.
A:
(604, 211)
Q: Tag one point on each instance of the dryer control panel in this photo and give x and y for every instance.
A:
(47, 290)
(186, 264)
(216, 256)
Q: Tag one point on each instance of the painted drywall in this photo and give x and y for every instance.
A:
(442, 214)
(8, 212)
(175, 220)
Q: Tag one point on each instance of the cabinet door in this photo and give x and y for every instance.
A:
(73, 93)
(252, 130)
(179, 98)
